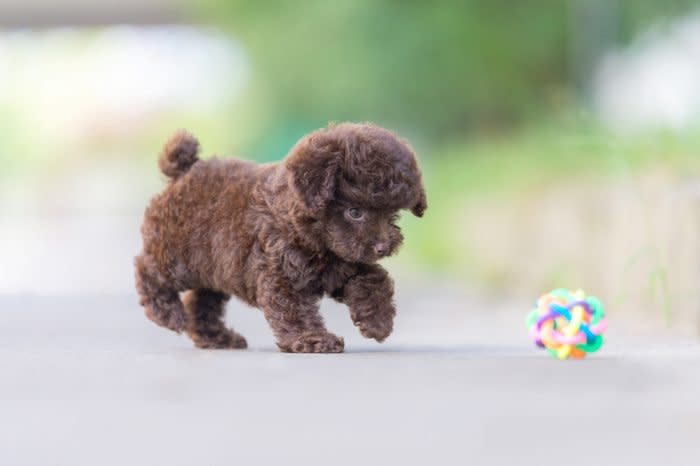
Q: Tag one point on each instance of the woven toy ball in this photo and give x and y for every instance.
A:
(568, 325)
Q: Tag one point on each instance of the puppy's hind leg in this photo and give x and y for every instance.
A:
(205, 320)
(161, 303)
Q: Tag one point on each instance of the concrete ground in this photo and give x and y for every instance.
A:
(89, 381)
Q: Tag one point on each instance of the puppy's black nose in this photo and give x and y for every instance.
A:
(381, 248)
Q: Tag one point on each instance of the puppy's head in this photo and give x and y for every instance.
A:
(355, 179)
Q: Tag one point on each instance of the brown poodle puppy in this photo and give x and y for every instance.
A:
(279, 237)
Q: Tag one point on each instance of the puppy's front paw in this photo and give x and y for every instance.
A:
(314, 343)
(377, 326)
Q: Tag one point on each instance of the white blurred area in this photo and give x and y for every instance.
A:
(78, 107)
(654, 83)
(73, 81)
(68, 93)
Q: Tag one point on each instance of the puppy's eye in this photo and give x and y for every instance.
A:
(355, 213)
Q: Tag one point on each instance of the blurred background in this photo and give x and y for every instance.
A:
(560, 139)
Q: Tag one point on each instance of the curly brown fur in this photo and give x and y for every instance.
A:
(279, 237)
(205, 325)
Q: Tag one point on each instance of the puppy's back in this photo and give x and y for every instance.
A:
(198, 212)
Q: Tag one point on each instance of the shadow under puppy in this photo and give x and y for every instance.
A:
(279, 237)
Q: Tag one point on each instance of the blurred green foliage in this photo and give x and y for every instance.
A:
(436, 69)
(572, 149)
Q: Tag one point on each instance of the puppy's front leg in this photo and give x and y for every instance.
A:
(370, 297)
(295, 319)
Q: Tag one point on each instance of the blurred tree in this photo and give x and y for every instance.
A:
(441, 66)
(437, 68)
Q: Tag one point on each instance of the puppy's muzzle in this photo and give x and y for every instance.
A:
(381, 249)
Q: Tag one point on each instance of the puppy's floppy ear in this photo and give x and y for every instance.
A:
(313, 165)
(421, 204)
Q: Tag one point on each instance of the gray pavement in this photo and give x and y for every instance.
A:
(89, 381)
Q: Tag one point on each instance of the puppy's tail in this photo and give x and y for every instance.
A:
(179, 154)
